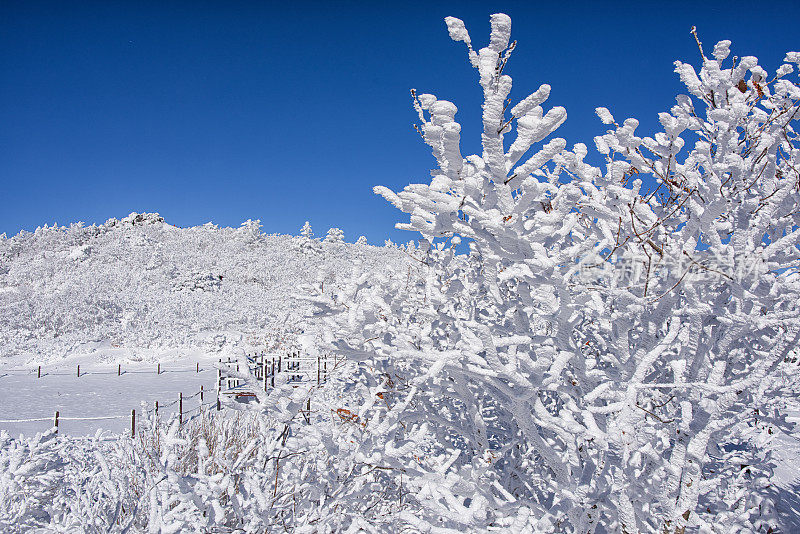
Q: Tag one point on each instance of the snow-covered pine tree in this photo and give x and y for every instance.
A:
(335, 235)
(250, 231)
(362, 240)
(306, 243)
(306, 231)
(609, 354)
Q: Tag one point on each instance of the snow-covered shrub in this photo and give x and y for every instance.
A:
(80, 253)
(199, 281)
(595, 362)
(30, 475)
(142, 218)
(362, 240)
(262, 467)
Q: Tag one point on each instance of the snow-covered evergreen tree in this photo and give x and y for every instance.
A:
(306, 242)
(306, 231)
(335, 235)
(362, 240)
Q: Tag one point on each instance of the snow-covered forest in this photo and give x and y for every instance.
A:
(615, 350)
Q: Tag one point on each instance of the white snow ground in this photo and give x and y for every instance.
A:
(99, 392)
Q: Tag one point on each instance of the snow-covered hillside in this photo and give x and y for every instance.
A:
(148, 286)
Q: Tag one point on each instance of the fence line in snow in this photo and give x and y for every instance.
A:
(56, 418)
(264, 366)
(120, 371)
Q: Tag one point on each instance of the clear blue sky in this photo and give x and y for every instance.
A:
(286, 112)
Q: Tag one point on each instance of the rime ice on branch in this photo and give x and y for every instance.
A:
(598, 357)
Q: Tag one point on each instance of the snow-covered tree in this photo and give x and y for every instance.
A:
(306, 243)
(609, 355)
(335, 235)
(251, 230)
(306, 231)
(362, 240)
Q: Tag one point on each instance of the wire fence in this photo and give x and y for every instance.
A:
(118, 369)
(181, 413)
(263, 366)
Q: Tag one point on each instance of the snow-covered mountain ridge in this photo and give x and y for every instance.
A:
(142, 283)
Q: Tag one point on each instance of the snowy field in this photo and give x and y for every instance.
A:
(100, 393)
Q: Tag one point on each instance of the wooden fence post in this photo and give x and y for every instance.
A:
(158, 370)
(180, 408)
(55, 423)
(133, 423)
(201, 394)
(198, 367)
(119, 369)
(156, 407)
(39, 375)
(79, 371)
(218, 406)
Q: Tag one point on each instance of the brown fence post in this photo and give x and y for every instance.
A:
(180, 408)
(39, 375)
(201, 394)
(198, 367)
(119, 369)
(133, 423)
(79, 371)
(156, 407)
(158, 370)
(55, 423)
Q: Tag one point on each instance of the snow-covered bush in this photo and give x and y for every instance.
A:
(260, 469)
(199, 281)
(362, 240)
(596, 362)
